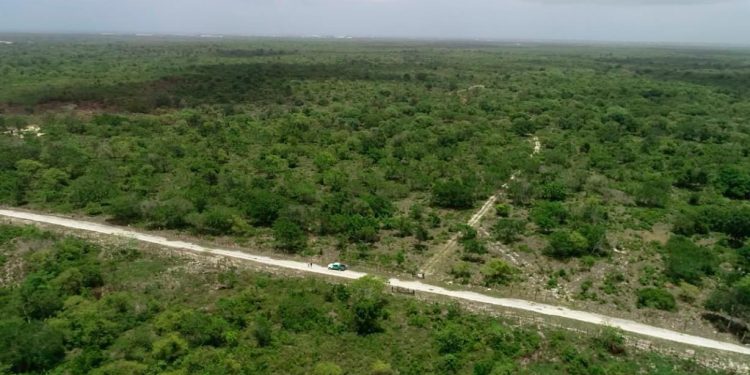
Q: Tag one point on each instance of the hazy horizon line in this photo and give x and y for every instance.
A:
(353, 37)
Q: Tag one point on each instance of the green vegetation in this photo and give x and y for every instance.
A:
(657, 299)
(77, 307)
(687, 261)
(633, 159)
(497, 272)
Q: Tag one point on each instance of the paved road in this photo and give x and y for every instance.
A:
(543, 309)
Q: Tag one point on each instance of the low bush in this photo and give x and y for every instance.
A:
(657, 299)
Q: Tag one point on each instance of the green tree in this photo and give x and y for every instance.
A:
(263, 206)
(508, 230)
(737, 223)
(596, 238)
(554, 191)
(49, 186)
(734, 300)
(94, 187)
(520, 191)
(289, 235)
(263, 332)
(125, 208)
(324, 160)
(522, 126)
(688, 261)
(734, 183)
(170, 347)
(367, 303)
(566, 244)
(692, 178)
(653, 193)
(10, 188)
(300, 313)
(30, 346)
(39, 299)
(453, 194)
(549, 215)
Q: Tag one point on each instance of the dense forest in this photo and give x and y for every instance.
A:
(68, 306)
(376, 153)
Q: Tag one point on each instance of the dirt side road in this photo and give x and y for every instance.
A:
(543, 309)
(430, 267)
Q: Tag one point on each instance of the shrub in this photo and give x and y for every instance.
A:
(611, 282)
(170, 214)
(510, 342)
(688, 293)
(461, 271)
(687, 261)
(502, 210)
(656, 298)
(508, 230)
(474, 246)
(611, 340)
(497, 272)
(452, 338)
(299, 313)
(688, 224)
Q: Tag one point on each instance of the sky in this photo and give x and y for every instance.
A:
(660, 21)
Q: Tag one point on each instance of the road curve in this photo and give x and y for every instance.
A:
(543, 309)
